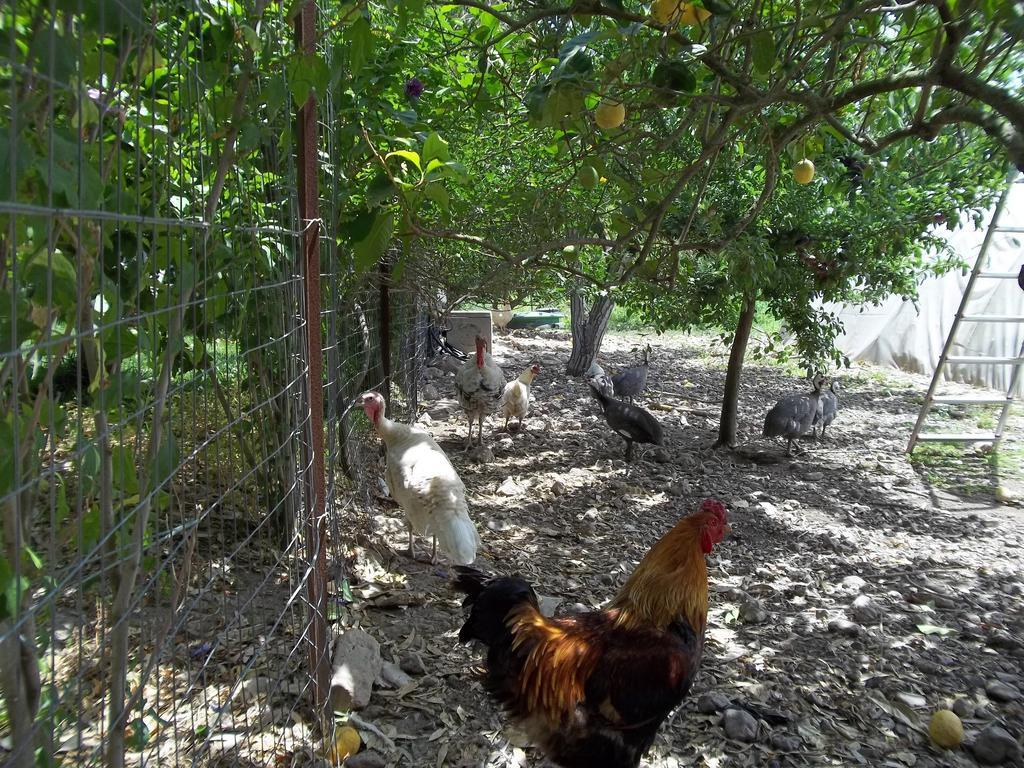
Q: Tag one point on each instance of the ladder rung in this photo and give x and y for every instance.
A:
(993, 318)
(1012, 230)
(952, 360)
(956, 437)
(968, 400)
(999, 275)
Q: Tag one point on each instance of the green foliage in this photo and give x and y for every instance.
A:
(453, 139)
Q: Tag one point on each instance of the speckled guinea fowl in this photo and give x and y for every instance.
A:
(632, 381)
(828, 406)
(793, 415)
(595, 373)
(631, 422)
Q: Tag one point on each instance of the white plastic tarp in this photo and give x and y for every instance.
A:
(899, 335)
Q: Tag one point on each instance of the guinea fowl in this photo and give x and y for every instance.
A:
(631, 422)
(632, 381)
(793, 415)
(828, 405)
(595, 373)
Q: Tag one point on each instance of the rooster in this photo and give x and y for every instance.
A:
(425, 485)
(515, 399)
(479, 384)
(592, 689)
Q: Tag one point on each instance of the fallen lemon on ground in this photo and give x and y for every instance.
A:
(609, 114)
(803, 172)
(946, 729)
(346, 744)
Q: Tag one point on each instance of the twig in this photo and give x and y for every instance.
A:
(357, 721)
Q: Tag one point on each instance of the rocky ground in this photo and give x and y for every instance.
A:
(857, 594)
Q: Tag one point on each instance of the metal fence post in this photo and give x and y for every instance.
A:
(309, 214)
(385, 327)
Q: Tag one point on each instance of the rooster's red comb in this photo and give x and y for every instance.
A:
(714, 506)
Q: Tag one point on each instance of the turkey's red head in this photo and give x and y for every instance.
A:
(535, 369)
(481, 347)
(715, 525)
(373, 404)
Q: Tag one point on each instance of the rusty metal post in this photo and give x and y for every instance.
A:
(384, 319)
(316, 479)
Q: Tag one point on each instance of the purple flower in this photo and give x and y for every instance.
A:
(413, 88)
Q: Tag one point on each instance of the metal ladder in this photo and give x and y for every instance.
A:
(978, 273)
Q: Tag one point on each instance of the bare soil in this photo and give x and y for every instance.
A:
(857, 594)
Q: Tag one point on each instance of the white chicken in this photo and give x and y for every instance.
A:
(479, 385)
(515, 399)
(425, 485)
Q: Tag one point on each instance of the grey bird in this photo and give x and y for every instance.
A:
(632, 423)
(828, 405)
(793, 415)
(595, 373)
(632, 381)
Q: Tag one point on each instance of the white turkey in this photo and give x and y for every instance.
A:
(478, 386)
(515, 399)
(425, 484)
(793, 415)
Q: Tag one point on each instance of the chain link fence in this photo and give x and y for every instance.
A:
(164, 595)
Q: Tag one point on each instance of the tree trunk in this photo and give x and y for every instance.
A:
(588, 329)
(731, 395)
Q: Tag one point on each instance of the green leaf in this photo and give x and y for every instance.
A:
(380, 191)
(7, 455)
(6, 576)
(123, 465)
(360, 44)
(166, 460)
(439, 195)
(932, 629)
(346, 591)
(36, 561)
(719, 7)
(435, 148)
(23, 159)
(763, 51)
(406, 154)
(307, 73)
(357, 227)
(139, 734)
(456, 171)
(367, 252)
(69, 171)
(252, 39)
(53, 280)
(90, 531)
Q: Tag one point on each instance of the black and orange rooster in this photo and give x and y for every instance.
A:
(591, 690)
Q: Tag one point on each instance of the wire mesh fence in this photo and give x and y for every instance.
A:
(157, 475)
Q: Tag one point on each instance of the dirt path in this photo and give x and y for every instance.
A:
(853, 598)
